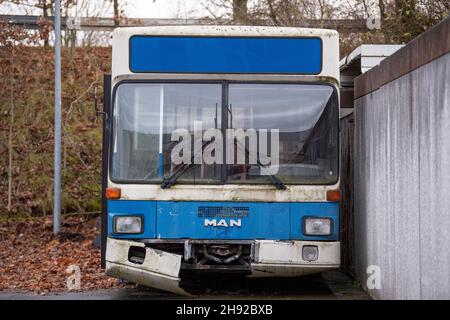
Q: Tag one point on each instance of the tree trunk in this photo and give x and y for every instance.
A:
(10, 138)
(272, 13)
(116, 13)
(45, 14)
(382, 10)
(240, 11)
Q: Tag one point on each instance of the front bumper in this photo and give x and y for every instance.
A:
(284, 258)
(161, 269)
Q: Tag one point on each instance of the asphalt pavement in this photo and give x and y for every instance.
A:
(329, 285)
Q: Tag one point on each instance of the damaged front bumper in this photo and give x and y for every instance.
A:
(158, 269)
(140, 263)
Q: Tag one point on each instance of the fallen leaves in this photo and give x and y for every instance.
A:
(33, 260)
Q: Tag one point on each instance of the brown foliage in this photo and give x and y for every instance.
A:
(33, 260)
(29, 71)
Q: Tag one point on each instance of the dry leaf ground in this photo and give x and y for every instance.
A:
(33, 260)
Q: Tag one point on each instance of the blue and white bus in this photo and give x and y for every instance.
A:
(221, 153)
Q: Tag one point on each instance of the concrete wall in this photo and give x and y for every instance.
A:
(402, 183)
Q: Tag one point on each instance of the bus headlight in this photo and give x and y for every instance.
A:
(313, 226)
(128, 224)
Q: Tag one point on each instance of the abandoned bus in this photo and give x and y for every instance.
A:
(220, 153)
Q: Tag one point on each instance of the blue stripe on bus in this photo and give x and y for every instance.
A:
(258, 220)
(225, 54)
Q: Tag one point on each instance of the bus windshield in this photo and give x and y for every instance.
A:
(239, 133)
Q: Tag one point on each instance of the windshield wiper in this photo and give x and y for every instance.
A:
(273, 178)
(172, 179)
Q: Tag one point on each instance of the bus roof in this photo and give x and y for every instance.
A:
(304, 55)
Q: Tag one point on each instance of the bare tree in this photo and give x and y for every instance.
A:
(401, 20)
(73, 8)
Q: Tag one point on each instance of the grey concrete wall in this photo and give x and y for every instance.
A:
(402, 184)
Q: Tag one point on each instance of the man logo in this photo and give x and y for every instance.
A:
(223, 223)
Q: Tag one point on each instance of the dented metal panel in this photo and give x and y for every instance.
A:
(155, 260)
(159, 269)
(146, 278)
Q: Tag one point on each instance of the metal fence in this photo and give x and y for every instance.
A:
(402, 171)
